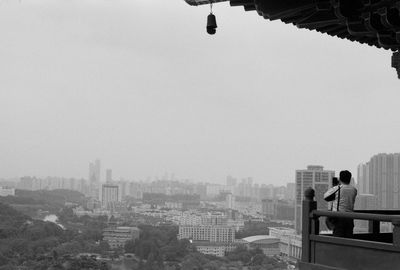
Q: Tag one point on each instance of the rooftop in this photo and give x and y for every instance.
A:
(261, 238)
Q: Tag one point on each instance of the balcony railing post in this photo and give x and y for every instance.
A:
(374, 227)
(315, 226)
(396, 233)
(307, 228)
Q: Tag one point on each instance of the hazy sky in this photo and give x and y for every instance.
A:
(141, 85)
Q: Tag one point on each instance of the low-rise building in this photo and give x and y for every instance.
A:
(208, 233)
(80, 212)
(6, 191)
(289, 242)
(214, 248)
(210, 239)
(237, 224)
(270, 245)
(116, 237)
(214, 219)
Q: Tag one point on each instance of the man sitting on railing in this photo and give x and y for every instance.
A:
(343, 197)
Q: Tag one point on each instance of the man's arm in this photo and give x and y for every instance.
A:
(355, 195)
(331, 194)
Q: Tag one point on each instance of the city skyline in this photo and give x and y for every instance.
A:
(199, 134)
(102, 175)
(168, 97)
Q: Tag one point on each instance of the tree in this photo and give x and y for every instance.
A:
(130, 246)
(194, 261)
(212, 265)
(258, 259)
(154, 262)
(3, 260)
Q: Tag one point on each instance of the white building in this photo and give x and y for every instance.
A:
(270, 245)
(6, 191)
(289, 242)
(215, 249)
(208, 233)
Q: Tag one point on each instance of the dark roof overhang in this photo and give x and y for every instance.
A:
(372, 22)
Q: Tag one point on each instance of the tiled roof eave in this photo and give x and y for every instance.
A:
(375, 23)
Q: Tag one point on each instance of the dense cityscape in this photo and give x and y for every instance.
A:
(169, 223)
(199, 135)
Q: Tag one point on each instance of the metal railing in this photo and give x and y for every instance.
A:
(315, 247)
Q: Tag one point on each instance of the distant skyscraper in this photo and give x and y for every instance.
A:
(279, 193)
(230, 201)
(245, 188)
(94, 178)
(108, 175)
(109, 196)
(364, 202)
(318, 179)
(363, 181)
(276, 209)
(381, 177)
(268, 208)
(290, 191)
(231, 181)
(266, 191)
(250, 181)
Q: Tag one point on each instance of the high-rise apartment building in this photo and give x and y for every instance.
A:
(231, 181)
(277, 209)
(381, 177)
(364, 202)
(108, 175)
(318, 179)
(290, 191)
(230, 201)
(268, 208)
(266, 191)
(245, 187)
(94, 178)
(109, 196)
(213, 190)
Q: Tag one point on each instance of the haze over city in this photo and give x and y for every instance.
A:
(140, 85)
(199, 134)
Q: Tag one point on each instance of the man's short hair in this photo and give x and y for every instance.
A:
(345, 177)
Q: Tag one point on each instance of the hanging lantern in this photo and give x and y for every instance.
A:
(211, 24)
